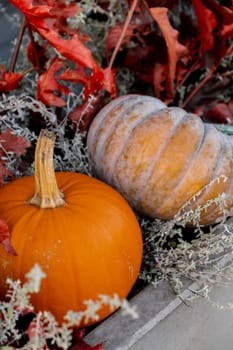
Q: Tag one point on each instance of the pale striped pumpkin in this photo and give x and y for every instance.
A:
(160, 157)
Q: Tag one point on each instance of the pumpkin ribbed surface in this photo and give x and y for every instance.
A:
(89, 246)
(160, 157)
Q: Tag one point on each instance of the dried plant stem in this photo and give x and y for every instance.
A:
(28, 70)
(119, 42)
(18, 44)
(205, 80)
(199, 86)
(47, 193)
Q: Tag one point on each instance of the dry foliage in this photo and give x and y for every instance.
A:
(71, 58)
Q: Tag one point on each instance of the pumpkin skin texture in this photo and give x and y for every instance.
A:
(89, 246)
(160, 157)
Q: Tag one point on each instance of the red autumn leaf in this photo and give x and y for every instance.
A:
(223, 13)
(62, 10)
(175, 50)
(48, 86)
(42, 20)
(84, 114)
(141, 60)
(37, 14)
(220, 113)
(9, 80)
(114, 34)
(41, 51)
(227, 31)
(224, 28)
(79, 76)
(76, 51)
(72, 48)
(5, 238)
(215, 21)
(207, 23)
(48, 14)
(92, 83)
(135, 32)
(10, 143)
(30, 11)
(168, 3)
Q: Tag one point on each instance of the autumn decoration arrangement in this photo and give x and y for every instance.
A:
(113, 168)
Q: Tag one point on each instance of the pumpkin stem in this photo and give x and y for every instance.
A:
(47, 193)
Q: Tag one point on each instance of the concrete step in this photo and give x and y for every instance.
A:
(167, 323)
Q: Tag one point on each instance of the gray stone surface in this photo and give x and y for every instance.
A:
(199, 327)
(119, 332)
(8, 31)
(165, 322)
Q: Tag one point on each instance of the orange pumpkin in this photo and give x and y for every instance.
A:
(81, 232)
(159, 157)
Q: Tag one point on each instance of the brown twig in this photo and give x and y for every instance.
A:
(28, 70)
(227, 74)
(18, 44)
(205, 80)
(177, 295)
(199, 86)
(126, 24)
